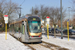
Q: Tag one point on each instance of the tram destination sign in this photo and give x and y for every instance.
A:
(33, 19)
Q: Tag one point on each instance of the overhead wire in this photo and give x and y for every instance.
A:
(22, 3)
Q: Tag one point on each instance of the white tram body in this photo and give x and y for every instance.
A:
(28, 29)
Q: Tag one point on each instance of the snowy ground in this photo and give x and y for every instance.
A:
(60, 42)
(11, 43)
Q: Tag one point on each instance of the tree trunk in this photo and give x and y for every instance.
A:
(54, 32)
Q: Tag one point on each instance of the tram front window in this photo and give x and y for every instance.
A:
(34, 26)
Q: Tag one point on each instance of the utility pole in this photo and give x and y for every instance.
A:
(32, 10)
(61, 18)
(20, 10)
(41, 13)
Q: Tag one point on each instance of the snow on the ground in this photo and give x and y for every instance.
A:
(65, 38)
(60, 42)
(11, 43)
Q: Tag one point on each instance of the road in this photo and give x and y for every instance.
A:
(59, 35)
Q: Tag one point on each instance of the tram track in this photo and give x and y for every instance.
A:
(42, 46)
(45, 46)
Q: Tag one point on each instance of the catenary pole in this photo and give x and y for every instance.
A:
(61, 18)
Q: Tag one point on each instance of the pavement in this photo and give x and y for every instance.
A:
(11, 43)
(60, 42)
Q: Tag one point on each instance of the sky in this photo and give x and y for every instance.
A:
(28, 4)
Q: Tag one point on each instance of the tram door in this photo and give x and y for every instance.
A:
(23, 32)
(23, 29)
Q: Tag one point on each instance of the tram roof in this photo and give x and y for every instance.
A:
(23, 18)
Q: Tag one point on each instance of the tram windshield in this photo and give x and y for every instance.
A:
(34, 26)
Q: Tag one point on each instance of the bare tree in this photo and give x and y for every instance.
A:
(73, 21)
(54, 13)
(7, 7)
(65, 23)
(10, 8)
(42, 11)
(35, 10)
(73, 5)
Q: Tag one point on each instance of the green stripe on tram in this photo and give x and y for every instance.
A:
(23, 29)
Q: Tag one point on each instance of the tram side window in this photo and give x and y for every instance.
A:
(12, 27)
(16, 27)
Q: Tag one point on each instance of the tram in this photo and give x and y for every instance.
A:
(27, 28)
